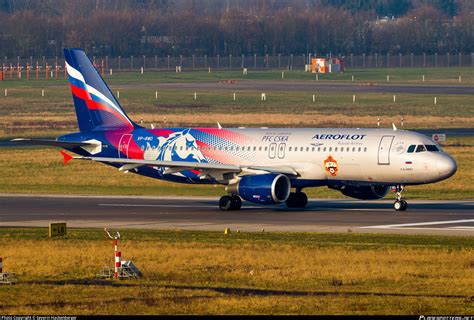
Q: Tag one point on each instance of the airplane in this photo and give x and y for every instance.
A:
(259, 165)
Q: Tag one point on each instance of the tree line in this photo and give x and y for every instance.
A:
(211, 27)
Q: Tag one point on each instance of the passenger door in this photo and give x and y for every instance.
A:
(384, 150)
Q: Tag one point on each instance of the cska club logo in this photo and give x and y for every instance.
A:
(330, 164)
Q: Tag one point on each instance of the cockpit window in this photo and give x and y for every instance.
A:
(411, 148)
(432, 148)
(420, 148)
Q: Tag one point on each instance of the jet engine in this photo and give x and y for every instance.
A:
(365, 192)
(268, 188)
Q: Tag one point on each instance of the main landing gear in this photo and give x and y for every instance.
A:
(297, 199)
(228, 203)
(400, 204)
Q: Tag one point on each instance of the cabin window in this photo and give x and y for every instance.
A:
(259, 148)
(312, 149)
(266, 148)
(319, 149)
(420, 148)
(307, 149)
(359, 149)
(289, 149)
(254, 148)
(365, 149)
(330, 149)
(335, 149)
(324, 149)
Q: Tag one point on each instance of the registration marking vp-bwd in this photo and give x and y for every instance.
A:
(419, 225)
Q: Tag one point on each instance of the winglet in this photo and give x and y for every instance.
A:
(67, 157)
(394, 127)
(219, 125)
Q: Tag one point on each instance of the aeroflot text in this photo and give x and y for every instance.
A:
(339, 136)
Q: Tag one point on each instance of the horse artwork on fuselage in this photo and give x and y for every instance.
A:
(177, 146)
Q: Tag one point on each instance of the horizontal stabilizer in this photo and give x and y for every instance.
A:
(53, 143)
(66, 157)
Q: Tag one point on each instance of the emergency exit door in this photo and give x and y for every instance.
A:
(384, 150)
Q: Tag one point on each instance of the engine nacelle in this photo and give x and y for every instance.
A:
(264, 188)
(365, 192)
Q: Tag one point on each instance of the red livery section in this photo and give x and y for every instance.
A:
(94, 105)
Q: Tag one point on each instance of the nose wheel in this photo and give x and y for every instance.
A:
(400, 204)
(228, 203)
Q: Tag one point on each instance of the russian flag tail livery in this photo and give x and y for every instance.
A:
(96, 106)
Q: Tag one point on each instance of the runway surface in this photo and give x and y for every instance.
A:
(269, 85)
(422, 217)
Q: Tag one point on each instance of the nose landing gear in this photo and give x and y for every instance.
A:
(400, 204)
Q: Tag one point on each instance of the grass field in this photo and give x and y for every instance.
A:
(25, 112)
(188, 272)
(40, 170)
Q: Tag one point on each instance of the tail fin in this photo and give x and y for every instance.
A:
(96, 106)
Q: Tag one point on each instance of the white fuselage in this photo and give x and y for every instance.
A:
(324, 156)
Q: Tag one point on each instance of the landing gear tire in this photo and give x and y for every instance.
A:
(225, 203)
(297, 200)
(236, 202)
(228, 203)
(400, 204)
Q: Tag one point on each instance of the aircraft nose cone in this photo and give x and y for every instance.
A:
(446, 167)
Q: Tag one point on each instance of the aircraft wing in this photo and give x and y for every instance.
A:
(207, 169)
